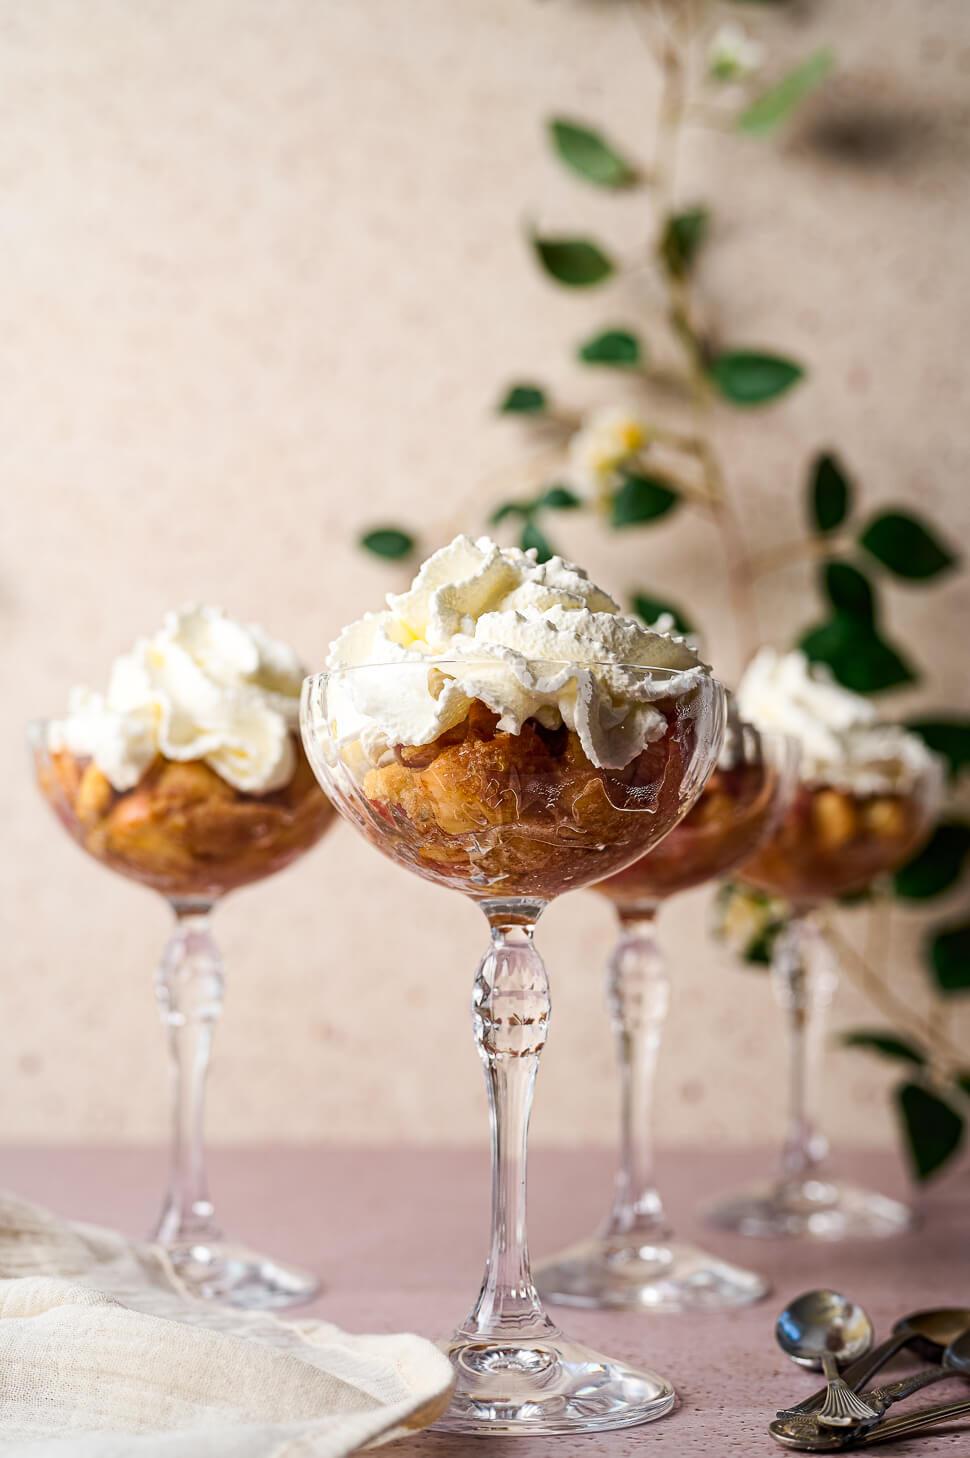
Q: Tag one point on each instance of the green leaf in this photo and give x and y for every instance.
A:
(769, 110)
(554, 498)
(760, 951)
(533, 537)
(640, 499)
(830, 493)
(906, 546)
(575, 262)
(849, 591)
(559, 498)
(886, 1044)
(617, 347)
(590, 155)
(950, 958)
(523, 400)
(948, 737)
(746, 377)
(681, 238)
(938, 865)
(651, 608)
(388, 542)
(932, 1129)
(511, 508)
(857, 655)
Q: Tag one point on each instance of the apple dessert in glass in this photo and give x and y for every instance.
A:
(867, 796)
(634, 1263)
(188, 775)
(501, 730)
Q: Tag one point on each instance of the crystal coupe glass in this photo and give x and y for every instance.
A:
(633, 1263)
(513, 820)
(831, 842)
(185, 832)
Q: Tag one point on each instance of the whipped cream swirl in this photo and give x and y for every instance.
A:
(530, 640)
(842, 741)
(202, 687)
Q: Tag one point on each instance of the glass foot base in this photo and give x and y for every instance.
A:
(239, 1277)
(546, 1384)
(668, 1276)
(810, 1209)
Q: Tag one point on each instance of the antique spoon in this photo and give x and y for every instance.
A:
(927, 1332)
(824, 1329)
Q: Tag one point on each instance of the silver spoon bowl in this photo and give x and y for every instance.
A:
(821, 1323)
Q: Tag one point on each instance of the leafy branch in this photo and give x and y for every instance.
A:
(629, 469)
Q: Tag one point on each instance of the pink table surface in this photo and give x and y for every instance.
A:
(398, 1237)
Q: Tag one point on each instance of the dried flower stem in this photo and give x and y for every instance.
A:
(743, 567)
(934, 1040)
(807, 549)
(672, 118)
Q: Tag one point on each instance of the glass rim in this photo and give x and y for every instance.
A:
(433, 662)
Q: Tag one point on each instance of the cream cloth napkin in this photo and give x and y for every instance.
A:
(104, 1355)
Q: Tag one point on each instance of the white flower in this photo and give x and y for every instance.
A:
(608, 439)
(747, 920)
(733, 54)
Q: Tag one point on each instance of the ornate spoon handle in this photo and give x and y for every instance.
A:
(915, 1422)
(882, 1397)
(841, 1408)
(856, 1376)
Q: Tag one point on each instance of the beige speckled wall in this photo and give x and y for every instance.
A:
(262, 276)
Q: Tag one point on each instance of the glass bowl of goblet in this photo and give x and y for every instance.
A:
(513, 820)
(832, 842)
(188, 834)
(634, 1262)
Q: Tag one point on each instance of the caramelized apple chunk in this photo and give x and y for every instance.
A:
(833, 818)
(886, 816)
(94, 796)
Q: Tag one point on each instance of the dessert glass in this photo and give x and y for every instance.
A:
(188, 834)
(831, 842)
(513, 820)
(633, 1263)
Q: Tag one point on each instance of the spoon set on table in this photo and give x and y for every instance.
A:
(827, 1332)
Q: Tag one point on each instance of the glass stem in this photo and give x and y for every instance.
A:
(188, 986)
(637, 995)
(510, 1014)
(804, 977)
